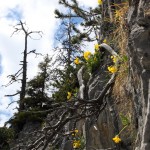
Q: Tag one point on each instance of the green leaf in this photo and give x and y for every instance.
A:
(125, 121)
(125, 58)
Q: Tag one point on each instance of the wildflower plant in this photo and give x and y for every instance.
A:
(115, 60)
(117, 139)
(112, 69)
(78, 140)
(75, 132)
(93, 61)
(125, 122)
(76, 144)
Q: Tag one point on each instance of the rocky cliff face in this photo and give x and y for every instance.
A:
(139, 52)
(134, 91)
(26, 136)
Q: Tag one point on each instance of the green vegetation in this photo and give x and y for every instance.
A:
(6, 135)
(19, 119)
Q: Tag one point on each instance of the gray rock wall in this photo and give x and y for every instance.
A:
(137, 88)
(139, 52)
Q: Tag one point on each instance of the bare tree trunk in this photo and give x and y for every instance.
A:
(24, 76)
(21, 27)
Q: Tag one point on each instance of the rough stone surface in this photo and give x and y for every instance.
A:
(139, 52)
(26, 136)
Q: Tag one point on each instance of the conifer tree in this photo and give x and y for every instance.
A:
(90, 19)
(66, 79)
(36, 93)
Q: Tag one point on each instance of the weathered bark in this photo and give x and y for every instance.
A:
(24, 62)
(24, 76)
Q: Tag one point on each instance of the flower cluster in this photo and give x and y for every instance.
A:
(87, 55)
(116, 139)
(76, 144)
(112, 69)
(76, 139)
(100, 2)
(93, 60)
(74, 133)
(114, 58)
(77, 61)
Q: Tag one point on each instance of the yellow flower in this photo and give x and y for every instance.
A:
(76, 131)
(105, 41)
(96, 47)
(100, 2)
(116, 139)
(112, 69)
(69, 95)
(76, 143)
(77, 61)
(87, 55)
(114, 58)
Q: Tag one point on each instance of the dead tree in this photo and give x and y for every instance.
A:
(23, 71)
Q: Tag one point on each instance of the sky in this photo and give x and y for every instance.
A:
(38, 16)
